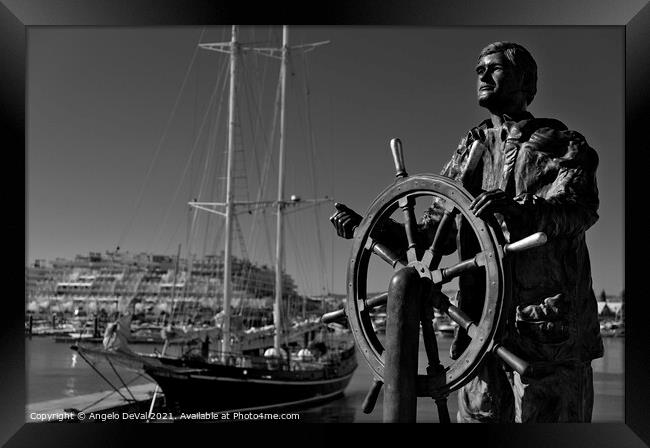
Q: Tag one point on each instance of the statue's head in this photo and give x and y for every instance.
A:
(506, 77)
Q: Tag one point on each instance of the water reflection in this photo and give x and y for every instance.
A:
(70, 387)
(54, 372)
(339, 411)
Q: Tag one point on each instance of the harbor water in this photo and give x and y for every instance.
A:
(54, 371)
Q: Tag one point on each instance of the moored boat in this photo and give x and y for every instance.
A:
(288, 363)
(245, 383)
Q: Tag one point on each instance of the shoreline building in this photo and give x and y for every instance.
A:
(151, 283)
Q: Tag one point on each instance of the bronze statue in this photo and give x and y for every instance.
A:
(535, 175)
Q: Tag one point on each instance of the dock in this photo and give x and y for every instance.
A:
(139, 400)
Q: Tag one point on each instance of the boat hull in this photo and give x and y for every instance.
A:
(219, 388)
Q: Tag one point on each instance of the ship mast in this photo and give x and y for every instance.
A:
(279, 244)
(227, 208)
(281, 203)
(227, 262)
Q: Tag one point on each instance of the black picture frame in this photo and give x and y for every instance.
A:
(16, 16)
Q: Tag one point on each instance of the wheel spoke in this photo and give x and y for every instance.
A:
(445, 275)
(410, 226)
(385, 253)
(376, 301)
(429, 337)
(443, 303)
(334, 316)
(433, 255)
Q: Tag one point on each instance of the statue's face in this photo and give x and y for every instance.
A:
(498, 84)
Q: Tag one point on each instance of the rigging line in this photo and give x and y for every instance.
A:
(213, 146)
(311, 157)
(301, 265)
(298, 259)
(219, 184)
(263, 178)
(245, 268)
(219, 169)
(218, 231)
(241, 137)
(195, 112)
(258, 128)
(195, 223)
(262, 187)
(138, 375)
(174, 281)
(310, 128)
(171, 239)
(247, 89)
(188, 271)
(321, 251)
(206, 178)
(192, 218)
(102, 375)
(121, 380)
(197, 217)
(209, 144)
(178, 225)
(185, 169)
(243, 284)
(256, 109)
(216, 111)
(267, 166)
(242, 174)
(332, 187)
(160, 142)
(187, 231)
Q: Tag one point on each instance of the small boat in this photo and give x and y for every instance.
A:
(246, 383)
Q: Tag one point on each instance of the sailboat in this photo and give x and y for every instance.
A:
(253, 371)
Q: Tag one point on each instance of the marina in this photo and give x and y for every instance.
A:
(56, 375)
(245, 344)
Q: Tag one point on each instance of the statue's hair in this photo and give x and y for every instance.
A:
(521, 60)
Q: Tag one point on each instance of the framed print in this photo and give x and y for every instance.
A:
(385, 80)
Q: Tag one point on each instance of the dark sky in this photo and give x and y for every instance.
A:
(99, 105)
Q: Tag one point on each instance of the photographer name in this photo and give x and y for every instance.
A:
(131, 416)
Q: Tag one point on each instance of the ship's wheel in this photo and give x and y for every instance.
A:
(415, 263)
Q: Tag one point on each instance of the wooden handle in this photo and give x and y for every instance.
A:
(333, 316)
(519, 365)
(371, 398)
(398, 157)
(531, 241)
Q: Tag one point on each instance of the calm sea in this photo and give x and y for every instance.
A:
(54, 371)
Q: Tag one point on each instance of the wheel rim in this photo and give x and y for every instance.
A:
(496, 288)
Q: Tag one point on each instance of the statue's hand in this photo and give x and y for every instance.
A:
(345, 220)
(495, 201)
